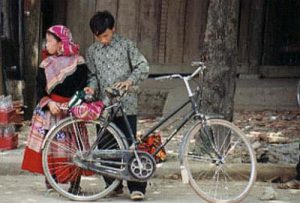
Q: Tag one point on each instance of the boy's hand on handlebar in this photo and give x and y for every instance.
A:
(123, 85)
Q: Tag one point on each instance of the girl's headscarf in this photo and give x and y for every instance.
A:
(63, 33)
(57, 68)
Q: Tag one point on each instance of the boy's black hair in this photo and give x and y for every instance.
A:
(101, 21)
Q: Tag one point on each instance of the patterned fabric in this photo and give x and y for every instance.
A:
(57, 68)
(110, 64)
(41, 123)
(88, 111)
(62, 32)
(151, 144)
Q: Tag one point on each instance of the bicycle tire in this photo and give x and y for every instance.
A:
(92, 186)
(298, 93)
(219, 170)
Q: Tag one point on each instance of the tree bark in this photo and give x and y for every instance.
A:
(220, 51)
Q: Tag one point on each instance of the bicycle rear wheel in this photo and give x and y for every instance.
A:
(71, 138)
(219, 161)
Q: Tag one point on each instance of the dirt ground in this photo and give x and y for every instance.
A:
(274, 134)
(285, 124)
(265, 129)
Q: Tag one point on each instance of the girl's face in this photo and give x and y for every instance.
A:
(52, 45)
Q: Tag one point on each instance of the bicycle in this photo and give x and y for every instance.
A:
(215, 156)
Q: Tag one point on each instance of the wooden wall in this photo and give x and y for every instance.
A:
(166, 31)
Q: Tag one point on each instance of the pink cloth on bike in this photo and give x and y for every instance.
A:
(88, 111)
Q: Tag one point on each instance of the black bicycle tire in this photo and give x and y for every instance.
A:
(185, 168)
(112, 127)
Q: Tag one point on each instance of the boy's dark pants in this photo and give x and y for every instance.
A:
(119, 121)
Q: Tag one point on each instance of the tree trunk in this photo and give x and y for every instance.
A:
(32, 30)
(220, 51)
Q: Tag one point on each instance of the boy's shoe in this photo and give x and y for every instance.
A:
(137, 196)
(292, 184)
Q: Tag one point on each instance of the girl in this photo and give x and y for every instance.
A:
(59, 76)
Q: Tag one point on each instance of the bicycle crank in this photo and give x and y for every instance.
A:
(146, 169)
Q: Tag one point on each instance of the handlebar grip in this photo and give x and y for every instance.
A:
(163, 77)
(197, 63)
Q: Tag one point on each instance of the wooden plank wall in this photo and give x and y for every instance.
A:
(243, 41)
(195, 25)
(148, 34)
(79, 13)
(166, 31)
(175, 31)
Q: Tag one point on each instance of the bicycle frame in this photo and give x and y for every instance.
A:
(193, 112)
(184, 120)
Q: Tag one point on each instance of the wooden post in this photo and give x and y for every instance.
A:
(32, 52)
(256, 35)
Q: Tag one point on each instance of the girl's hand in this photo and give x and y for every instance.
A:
(89, 90)
(54, 108)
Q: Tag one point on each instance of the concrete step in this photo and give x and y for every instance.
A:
(251, 94)
(266, 94)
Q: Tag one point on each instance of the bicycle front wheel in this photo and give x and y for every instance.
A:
(219, 161)
(72, 138)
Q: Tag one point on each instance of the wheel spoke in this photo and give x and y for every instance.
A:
(216, 156)
(71, 139)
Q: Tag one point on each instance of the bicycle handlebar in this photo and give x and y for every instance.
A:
(200, 68)
(168, 77)
(163, 77)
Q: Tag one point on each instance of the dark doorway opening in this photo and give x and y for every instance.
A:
(282, 33)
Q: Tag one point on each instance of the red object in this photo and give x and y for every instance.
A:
(45, 53)
(58, 98)
(64, 173)
(7, 143)
(151, 144)
(6, 117)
